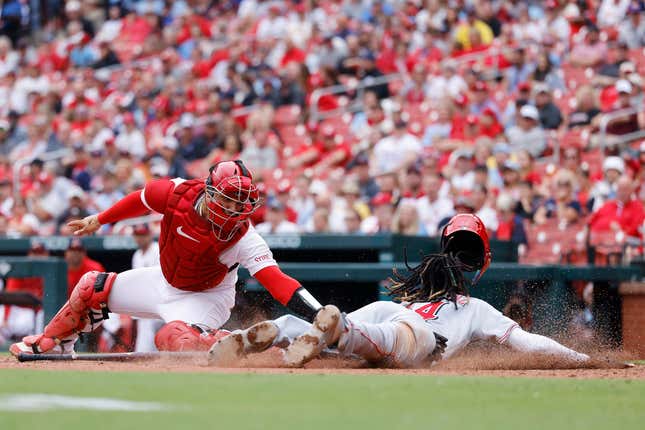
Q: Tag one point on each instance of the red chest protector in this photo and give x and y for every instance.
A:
(189, 251)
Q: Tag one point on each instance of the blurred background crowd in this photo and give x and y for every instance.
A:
(355, 116)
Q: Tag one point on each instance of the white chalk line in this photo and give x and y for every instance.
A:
(50, 402)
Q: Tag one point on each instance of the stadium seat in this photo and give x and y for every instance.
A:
(288, 115)
(545, 243)
(607, 247)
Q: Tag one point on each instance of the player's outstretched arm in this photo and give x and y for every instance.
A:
(524, 341)
(151, 198)
(288, 291)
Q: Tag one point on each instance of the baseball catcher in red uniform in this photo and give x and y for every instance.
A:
(205, 235)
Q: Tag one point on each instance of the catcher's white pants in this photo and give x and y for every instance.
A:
(384, 333)
(146, 331)
(145, 293)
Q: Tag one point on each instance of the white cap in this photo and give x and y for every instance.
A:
(505, 202)
(530, 111)
(623, 86)
(642, 146)
(572, 11)
(541, 87)
(100, 140)
(76, 192)
(170, 142)
(615, 163)
(187, 120)
(159, 167)
(73, 6)
(627, 67)
(317, 187)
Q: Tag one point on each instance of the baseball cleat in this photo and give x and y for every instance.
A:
(20, 348)
(325, 331)
(28, 346)
(257, 338)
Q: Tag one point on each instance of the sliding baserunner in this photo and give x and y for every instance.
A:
(435, 316)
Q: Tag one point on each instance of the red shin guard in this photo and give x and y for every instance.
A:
(86, 306)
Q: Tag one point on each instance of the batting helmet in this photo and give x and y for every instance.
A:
(231, 197)
(466, 239)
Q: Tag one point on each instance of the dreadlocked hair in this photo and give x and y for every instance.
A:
(438, 276)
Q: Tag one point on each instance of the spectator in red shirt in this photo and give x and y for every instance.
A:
(78, 263)
(510, 225)
(411, 183)
(624, 213)
(489, 124)
(283, 195)
(331, 151)
(527, 167)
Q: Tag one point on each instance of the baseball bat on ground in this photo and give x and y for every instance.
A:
(110, 356)
(138, 356)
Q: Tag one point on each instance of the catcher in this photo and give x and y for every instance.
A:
(435, 317)
(205, 235)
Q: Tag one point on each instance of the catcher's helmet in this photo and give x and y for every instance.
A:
(230, 197)
(466, 239)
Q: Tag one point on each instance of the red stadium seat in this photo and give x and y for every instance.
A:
(576, 76)
(545, 244)
(288, 115)
(574, 139)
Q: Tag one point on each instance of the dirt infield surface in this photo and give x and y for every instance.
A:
(481, 363)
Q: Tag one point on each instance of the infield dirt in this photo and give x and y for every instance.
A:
(482, 362)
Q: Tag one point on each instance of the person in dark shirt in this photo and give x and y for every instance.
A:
(587, 108)
(563, 205)
(359, 166)
(550, 115)
(290, 92)
(486, 13)
(627, 123)
(620, 52)
(74, 12)
(528, 201)
(191, 146)
(107, 57)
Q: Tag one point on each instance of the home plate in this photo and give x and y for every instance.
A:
(48, 402)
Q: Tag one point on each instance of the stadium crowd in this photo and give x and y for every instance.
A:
(502, 108)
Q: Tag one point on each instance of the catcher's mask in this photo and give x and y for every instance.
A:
(230, 197)
(466, 239)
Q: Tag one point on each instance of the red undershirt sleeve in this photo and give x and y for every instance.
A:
(280, 285)
(151, 198)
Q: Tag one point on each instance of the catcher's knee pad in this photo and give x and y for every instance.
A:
(91, 292)
(85, 309)
(181, 336)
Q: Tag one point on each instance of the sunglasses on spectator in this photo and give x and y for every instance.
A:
(564, 184)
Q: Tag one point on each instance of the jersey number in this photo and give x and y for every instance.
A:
(430, 310)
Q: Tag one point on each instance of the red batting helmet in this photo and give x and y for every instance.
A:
(230, 197)
(465, 237)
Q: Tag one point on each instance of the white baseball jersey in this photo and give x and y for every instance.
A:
(146, 328)
(472, 320)
(147, 258)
